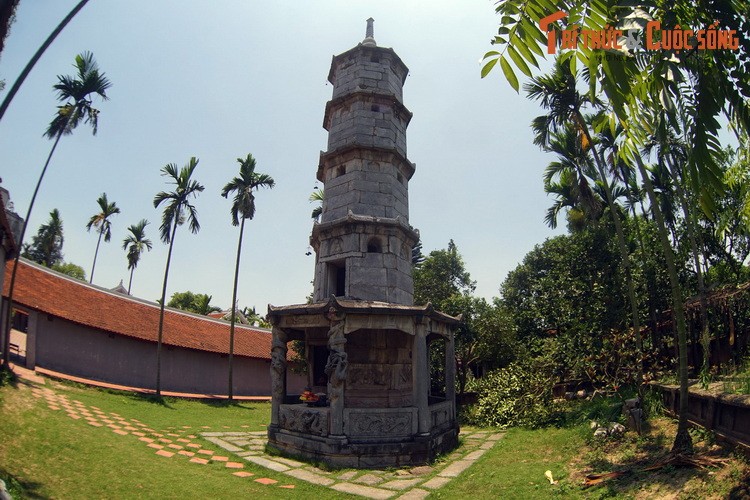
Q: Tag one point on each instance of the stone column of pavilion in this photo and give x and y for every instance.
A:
(365, 342)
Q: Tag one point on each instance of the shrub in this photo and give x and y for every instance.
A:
(519, 395)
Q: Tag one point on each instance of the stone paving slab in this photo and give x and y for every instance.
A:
(474, 455)
(436, 483)
(268, 464)
(370, 479)
(415, 494)
(310, 477)
(363, 491)
(456, 468)
(220, 442)
(401, 484)
(288, 461)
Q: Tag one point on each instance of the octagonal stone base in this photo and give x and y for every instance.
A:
(373, 437)
(342, 453)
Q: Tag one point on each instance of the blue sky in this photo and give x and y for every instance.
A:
(221, 79)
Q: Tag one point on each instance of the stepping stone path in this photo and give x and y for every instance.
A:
(408, 484)
(249, 446)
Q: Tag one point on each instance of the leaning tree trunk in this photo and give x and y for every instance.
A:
(234, 308)
(683, 443)
(130, 282)
(37, 55)
(9, 312)
(161, 310)
(96, 252)
(623, 250)
(691, 233)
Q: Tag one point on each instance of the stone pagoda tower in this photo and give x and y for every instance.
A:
(363, 243)
(366, 344)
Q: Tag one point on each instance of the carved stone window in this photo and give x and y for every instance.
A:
(374, 246)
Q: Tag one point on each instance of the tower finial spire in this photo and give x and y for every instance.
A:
(369, 34)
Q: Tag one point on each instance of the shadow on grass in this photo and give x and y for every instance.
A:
(7, 377)
(665, 482)
(146, 398)
(20, 489)
(226, 403)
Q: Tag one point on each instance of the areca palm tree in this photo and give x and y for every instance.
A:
(76, 93)
(177, 210)
(101, 221)
(46, 246)
(243, 207)
(135, 243)
(569, 179)
(317, 196)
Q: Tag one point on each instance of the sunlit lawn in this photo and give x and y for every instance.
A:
(44, 453)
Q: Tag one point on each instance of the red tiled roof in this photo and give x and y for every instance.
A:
(52, 293)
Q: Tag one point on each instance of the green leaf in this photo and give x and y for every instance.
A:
(488, 67)
(523, 49)
(520, 63)
(509, 74)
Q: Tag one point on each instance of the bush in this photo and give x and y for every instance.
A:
(519, 395)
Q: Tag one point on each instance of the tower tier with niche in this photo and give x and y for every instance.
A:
(366, 344)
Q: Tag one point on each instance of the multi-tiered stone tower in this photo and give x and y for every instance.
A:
(365, 343)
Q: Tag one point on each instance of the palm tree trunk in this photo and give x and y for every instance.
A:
(234, 307)
(96, 252)
(37, 55)
(9, 311)
(624, 254)
(130, 283)
(683, 443)
(161, 310)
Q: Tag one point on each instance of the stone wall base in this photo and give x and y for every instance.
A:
(341, 453)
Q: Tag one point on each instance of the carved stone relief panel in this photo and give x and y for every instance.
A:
(379, 423)
(304, 419)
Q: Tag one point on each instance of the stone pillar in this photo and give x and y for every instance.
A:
(450, 373)
(278, 373)
(421, 377)
(336, 371)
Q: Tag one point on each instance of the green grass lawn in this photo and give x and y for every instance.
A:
(50, 455)
(44, 453)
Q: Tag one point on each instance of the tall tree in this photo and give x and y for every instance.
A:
(243, 207)
(135, 243)
(101, 221)
(177, 210)
(696, 84)
(46, 246)
(198, 303)
(76, 93)
(558, 94)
